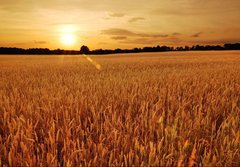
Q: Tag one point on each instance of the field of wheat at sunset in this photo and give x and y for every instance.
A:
(119, 83)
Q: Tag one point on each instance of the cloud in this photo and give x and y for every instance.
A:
(31, 42)
(118, 31)
(125, 32)
(176, 34)
(143, 41)
(116, 14)
(170, 40)
(40, 42)
(119, 37)
(20, 43)
(134, 19)
(196, 35)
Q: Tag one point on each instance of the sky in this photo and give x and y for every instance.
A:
(109, 24)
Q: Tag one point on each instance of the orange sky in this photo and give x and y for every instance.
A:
(109, 24)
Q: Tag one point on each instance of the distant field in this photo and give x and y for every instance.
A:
(175, 108)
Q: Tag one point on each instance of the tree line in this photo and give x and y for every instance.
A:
(35, 51)
(85, 50)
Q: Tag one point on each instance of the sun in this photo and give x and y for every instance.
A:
(68, 39)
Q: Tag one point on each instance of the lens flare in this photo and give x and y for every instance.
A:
(97, 65)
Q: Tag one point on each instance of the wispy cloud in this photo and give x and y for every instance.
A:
(118, 31)
(40, 42)
(116, 14)
(134, 19)
(176, 34)
(119, 37)
(125, 32)
(196, 35)
(31, 42)
(143, 41)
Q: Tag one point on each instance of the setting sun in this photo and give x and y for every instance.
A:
(68, 39)
(67, 34)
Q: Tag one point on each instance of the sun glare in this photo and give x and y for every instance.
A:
(68, 39)
(68, 34)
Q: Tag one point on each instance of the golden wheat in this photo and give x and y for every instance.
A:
(163, 109)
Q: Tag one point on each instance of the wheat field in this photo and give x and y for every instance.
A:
(158, 109)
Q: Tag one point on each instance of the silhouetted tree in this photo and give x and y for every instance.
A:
(84, 50)
(187, 48)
